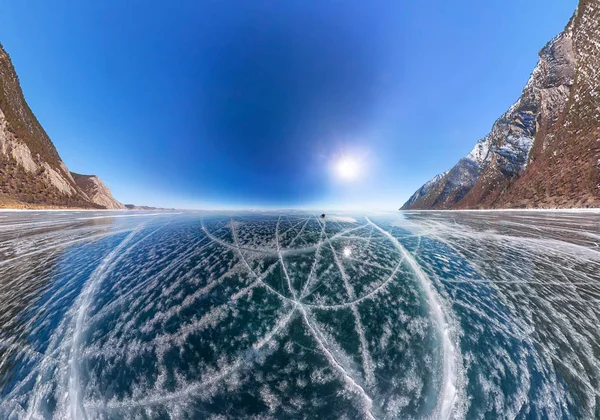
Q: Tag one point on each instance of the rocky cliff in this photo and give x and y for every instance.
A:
(97, 191)
(545, 150)
(31, 171)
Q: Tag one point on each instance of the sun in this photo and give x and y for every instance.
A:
(347, 168)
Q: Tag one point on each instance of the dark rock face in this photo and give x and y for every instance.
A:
(565, 160)
(544, 151)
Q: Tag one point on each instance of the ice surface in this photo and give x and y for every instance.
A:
(409, 315)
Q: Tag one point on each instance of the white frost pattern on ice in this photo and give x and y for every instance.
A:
(400, 316)
(448, 391)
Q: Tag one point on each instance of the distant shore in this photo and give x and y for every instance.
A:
(33, 208)
(58, 208)
(25, 207)
(13, 205)
(74, 209)
(49, 208)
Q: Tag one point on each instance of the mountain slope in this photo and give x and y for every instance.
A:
(97, 191)
(543, 152)
(31, 171)
(425, 189)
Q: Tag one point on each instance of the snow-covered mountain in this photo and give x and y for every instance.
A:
(424, 190)
(541, 152)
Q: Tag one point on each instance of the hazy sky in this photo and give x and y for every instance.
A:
(251, 103)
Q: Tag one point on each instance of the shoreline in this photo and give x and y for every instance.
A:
(556, 210)
(51, 209)
(71, 209)
(366, 211)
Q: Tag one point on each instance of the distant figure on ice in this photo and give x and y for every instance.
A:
(323, 216)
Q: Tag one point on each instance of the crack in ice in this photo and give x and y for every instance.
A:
(448, 391)
(76, 407)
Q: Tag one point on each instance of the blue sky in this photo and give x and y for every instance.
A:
(250, 103)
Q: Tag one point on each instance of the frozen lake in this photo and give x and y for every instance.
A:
(117, 315)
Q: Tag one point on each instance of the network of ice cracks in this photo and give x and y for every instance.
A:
(295, 315)
(132, 310)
